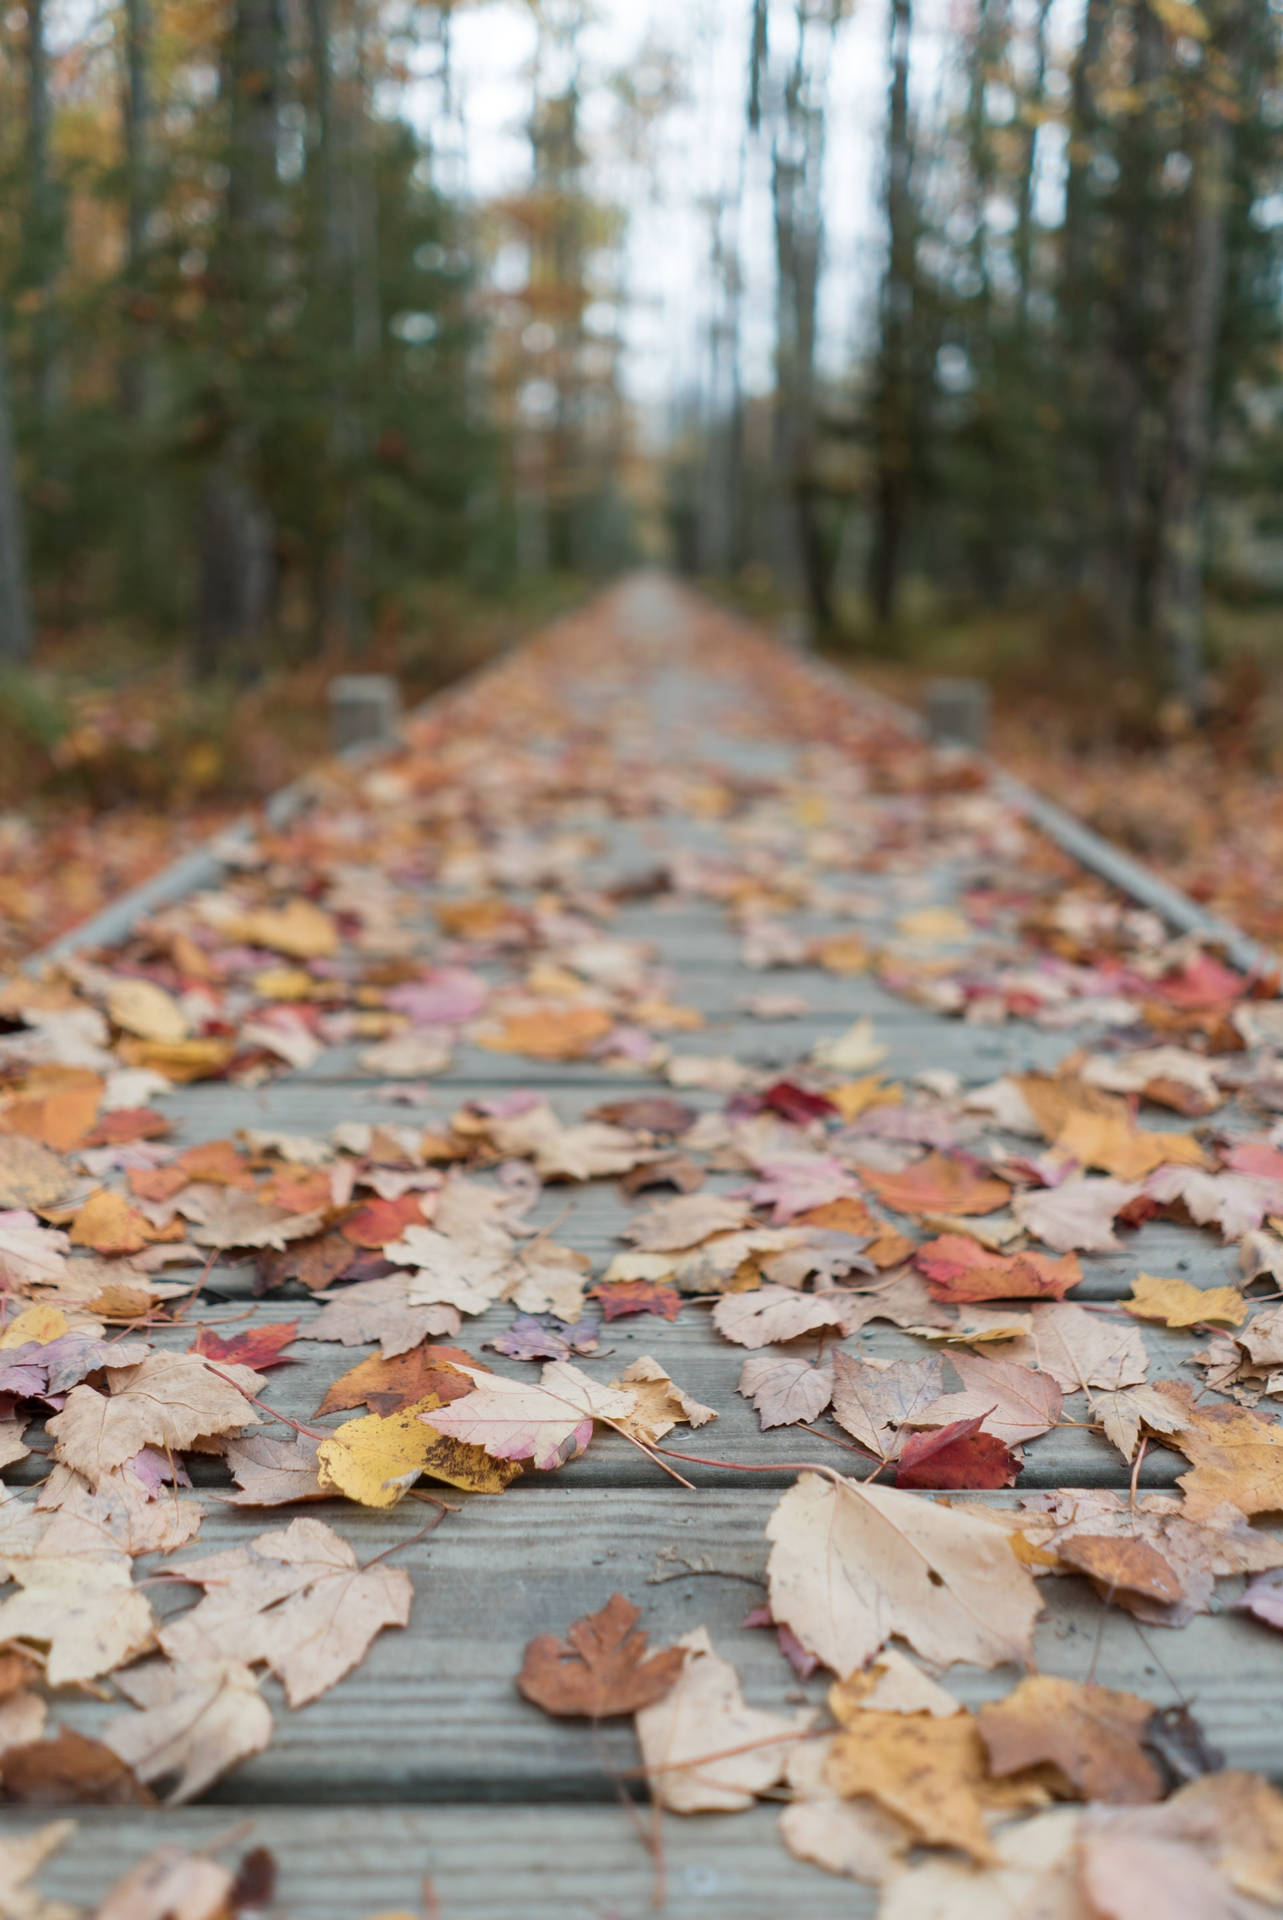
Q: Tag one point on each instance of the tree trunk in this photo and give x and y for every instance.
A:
(136, 116)
(892, 414)
(1034, 101)
(15, 612)
(42, 238)
(1178, 594)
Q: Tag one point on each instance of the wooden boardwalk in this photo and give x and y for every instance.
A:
(426, 1764)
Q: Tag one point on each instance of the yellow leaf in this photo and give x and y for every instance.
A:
(376, 1459)
(1178, 1304)
(854, 1097)
(300, 930)
(282, 983)
(145, 1010)
(108, 1224)
(1115, 1145)
(934, 924)
(38, 1324)
(179, 1059)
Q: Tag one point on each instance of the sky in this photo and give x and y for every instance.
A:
(666, 254)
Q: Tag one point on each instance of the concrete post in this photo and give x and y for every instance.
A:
(364, 708)
(957, 714)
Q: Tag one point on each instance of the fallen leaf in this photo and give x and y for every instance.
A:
(938, 1184)
(549, 1423)
(1077, 1216)
(616, 1298)
(1121, 1567)
(299, 929)
(958, 1270)
(85, 1610)
(874, 1401)
(1113, 1143)
(380, 1310)
(773, 1313)
(784, 1390)
(1081, 1349)
(1188, 1859)
(295, 1600)
(108, 1224)
(1237, 1455)
(1178, 1304)
(142, 1008)
(928, 1771)
(601, 1669)
(379, 1221)
(1090, 1734)
(31, 1174)
(661, 1403)
(71, 1770)
(959, 1455)
(1016, 1403)
(1033, 1876)
(272, 1472)
(852, 1563)
(171, 1885)
(376, 1459)
(167, 1401)
(387, 1385)
(197, 1721)
(703, 1713)
(554, 1033)
(258, 1348)
(685, 1222)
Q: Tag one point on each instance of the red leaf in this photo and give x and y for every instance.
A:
(961, 1270)
(795, 1103)
(958, 1455)
(618, 1297)
(259, 1347)
(124, 1124)
(939, 1184)
(379, 1221)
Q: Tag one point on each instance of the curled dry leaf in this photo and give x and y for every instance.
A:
(295, 1600)
(961, 1271)
(69, 1769)
(661, 1403)
(1237, 1455)
(704, 1714)
(851, 1564)
(602, 1668)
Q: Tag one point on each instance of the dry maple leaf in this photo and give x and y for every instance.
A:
(1214, 1849)
(123, 1510)
(702, 1714)
(960, 1271)
(1114, 1144)
(142, 1008)
(271, 1472)
(603, 1667)
(380, 1310)
(1178, 1304)
(661, 1403)
(1092, 1735)
(296, 1600)
(928, 1771)
(1016, 1403)
(86, 1610)
(957, 1455)
(31, 1174)
(299, 929)
(873, 1401)
(196, 1722)
(1237, 1455)
(1081, 1349)
(377, 1459)
(171, 1885)
(938, 1184)
(448, 1272)
(385, 1386)
(785, 1390)
(852, 1563)
(70, 1769)
(1077, 1216)
(108, 1224)
(20, 1858)
(688, 1221)
(775, 1313)
(553, 1033)
(226, 1217)
(549, 1423)
(168, 1401)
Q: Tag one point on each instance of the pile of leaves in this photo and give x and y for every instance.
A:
(906, 1267)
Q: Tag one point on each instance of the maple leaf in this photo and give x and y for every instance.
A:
(1214, 1848)
(1016, 1403)
(122, 1510)
(257, 1349)
(927, 1770)
(299, 929)
(295, 1600)
(1033, 1875)
(378, 1458)
(71, 1770)
(587, 1151)
(86, 1610)
(449, 1273)
(39, 1368)
(530, 1339)
(959, 1270)
(601, 1669)
(1093, 1736)
(1077, 1216)
(553, 1033)
(168, 1400)
(142, 1008)
(784, 1390)
(704, 1713)
(108, 1224)
(692, 1218)
(387, 1385)
(272, 1472)
(1082, 1349)
(616, 1298)
(1237, 1455)
(407, 1056)
(774, 1313)
(379, 1221)
(1119, 1567)
(1236, 1202)
(649, 1113)
(873, 1400)
(225, 1217)
(197, 1721)
(381, 1310)
(661, 1403)
(170, 1882)
(939, 1184)
(958, 1455)
(1178, 1304)
(1114, 1144)
(549, 1423)
(853, 1563)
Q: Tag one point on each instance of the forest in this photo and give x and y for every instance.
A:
(281, 361)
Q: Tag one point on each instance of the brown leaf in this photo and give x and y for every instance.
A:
(1091, 1734)
(1122, 1567)
(385, 1386)
(774, 1313)
(71, 1769)
(1237, 1455)
(928, 1771)
(31, 1174)
(938, 1184)
(785, 1390)
(603, 1667)
(168, 1400)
